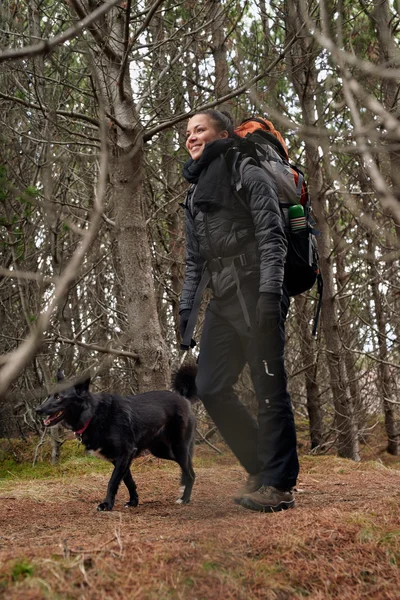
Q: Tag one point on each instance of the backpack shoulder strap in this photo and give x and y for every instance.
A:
(248, 160)
(236, 161)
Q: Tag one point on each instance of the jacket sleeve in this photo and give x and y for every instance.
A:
(269, 228)
(194, 263)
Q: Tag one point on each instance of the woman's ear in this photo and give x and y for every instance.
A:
(223, 134)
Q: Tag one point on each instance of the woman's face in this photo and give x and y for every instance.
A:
(201, 130)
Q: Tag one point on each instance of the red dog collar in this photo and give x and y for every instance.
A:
(84, 427)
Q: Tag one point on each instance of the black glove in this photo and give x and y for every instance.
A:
(268, 312)
(183, 321)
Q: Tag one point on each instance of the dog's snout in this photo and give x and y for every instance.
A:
(39, 410)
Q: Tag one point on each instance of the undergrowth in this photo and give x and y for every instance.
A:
(17, 455)
(16, 460)
(342, 542)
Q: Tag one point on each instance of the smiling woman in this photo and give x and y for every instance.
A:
(238, 248)
(201, 130)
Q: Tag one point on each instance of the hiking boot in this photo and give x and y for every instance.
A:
(252, 484)
(268, 499)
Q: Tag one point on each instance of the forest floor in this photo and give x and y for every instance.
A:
(341, 541)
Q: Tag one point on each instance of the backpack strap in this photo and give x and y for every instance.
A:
(194, 313)
(217, 264)
(299, 184)
(235, 262)
(320, 288)
(246, 161)
(235, 162)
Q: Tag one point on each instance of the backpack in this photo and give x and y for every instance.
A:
(262, 144)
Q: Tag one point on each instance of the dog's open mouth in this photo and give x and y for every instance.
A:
(53, 419)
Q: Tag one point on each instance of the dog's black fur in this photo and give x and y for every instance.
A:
(121, 427)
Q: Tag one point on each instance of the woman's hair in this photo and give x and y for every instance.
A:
(222, 119)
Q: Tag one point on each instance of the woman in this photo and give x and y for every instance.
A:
(239, 251)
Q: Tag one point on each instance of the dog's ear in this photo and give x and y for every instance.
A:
(82, 386)
(60, 375)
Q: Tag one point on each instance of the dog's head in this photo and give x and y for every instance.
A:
(69, 406)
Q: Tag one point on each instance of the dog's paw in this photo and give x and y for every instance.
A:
(104, 506)
(182, 501)
(132, 503)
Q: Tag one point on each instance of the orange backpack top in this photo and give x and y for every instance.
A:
(257, 124)
(250, 125)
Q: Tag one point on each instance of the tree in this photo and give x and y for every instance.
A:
(92, 278)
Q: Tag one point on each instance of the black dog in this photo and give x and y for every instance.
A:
(119, 428)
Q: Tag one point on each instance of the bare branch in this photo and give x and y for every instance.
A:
(94, 347)
(382, 71)
(240, 90)
(14, 362)
(63, 113)
(129, 46)
(98, 37)
(13, 274)
(46, 46)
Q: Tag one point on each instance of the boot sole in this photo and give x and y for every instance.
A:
(250, 504)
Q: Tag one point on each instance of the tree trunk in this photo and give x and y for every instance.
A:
(126, 177)
(301, 63)
(219, 51)
(346, 332)
(384, 376)
(308, 353)
(384, 23)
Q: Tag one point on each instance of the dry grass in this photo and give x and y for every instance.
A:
(341, 542)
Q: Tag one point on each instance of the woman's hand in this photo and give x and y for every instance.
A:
(183, 321)
(268, 312)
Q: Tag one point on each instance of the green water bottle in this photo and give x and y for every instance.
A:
(297, 218)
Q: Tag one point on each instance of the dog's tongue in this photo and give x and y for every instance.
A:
(52, 418)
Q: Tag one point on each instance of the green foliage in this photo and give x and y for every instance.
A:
(21, 569)
(16, 460)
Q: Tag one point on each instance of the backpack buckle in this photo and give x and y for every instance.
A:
(240, 261)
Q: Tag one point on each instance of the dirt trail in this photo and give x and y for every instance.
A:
(342, 540)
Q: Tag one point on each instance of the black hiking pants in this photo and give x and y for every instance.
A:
(227, 344)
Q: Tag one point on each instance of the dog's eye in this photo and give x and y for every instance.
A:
(57, 396)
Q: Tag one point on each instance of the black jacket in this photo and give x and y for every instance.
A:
(225, 228)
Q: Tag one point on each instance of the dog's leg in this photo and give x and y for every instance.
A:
(131, 485)
(121, 465)
(188, 481)
(184, 460)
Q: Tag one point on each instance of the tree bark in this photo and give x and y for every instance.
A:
(302, 70)
(309, 364)
(126, 177)
(221, 75)
(346, 333)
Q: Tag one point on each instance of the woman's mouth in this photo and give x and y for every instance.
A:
(196, 149)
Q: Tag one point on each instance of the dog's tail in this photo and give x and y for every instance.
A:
(184, 381)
